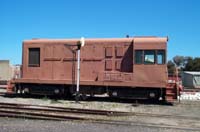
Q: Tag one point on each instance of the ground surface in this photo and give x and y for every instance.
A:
(22, 125)
(189, 109)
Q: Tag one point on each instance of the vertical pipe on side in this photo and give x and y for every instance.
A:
(79, 45)
(78, 71)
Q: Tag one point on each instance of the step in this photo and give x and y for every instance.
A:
(171, 94)
(170, 98)
(171, 91)
(171, 85)
(168, 87)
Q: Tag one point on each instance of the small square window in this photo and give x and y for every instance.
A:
(149, 57)
(138, 56)
(160, 57)
(34, 57)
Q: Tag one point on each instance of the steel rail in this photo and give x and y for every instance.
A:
(64, 109)
(2, 93)
(42, 114)
(99, 121)
(23, 111)
(87, 111)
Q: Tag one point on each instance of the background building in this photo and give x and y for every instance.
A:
(191, 79)
(8, 72)
(5, 70)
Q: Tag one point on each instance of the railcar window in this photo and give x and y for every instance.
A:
(34, 57)
(138, 56)
(160, 57)
(149, 57)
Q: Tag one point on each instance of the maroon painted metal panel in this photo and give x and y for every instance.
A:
(103, 62)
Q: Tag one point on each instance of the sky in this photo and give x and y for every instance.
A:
(26, 19)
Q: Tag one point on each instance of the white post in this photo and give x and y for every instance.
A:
(78, 72)
(80, 44)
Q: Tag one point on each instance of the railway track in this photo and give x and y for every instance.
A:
(77, 111)
(96, 116)
(2, 93)
(3, 90)
(62, 110)
(3, 86)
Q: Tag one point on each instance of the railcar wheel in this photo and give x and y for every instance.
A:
(84, 97)
(77, 97)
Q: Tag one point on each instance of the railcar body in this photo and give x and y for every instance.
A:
(121, 67)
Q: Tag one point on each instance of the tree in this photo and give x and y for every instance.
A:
(183, 63)
(196, 66)
(171, 67)
(193, 64)
(189, 65)
(179, 61)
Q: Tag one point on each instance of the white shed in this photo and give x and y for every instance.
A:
(191, 79)
(5, 70)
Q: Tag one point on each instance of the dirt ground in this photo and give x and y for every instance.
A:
(189, 109)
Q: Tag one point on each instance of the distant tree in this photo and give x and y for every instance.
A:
(196, 64)
(179, 61)
(189, 65)
(171, 67)
(183, 63)
(193, 64)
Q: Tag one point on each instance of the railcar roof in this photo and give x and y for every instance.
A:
(135, 39)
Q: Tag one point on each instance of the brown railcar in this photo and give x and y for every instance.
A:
(121, 67)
